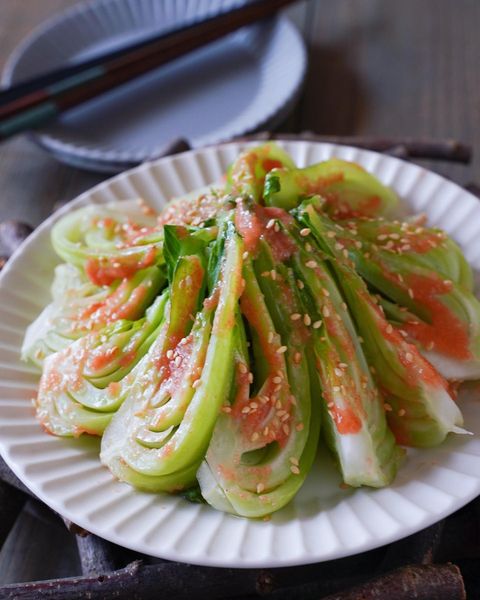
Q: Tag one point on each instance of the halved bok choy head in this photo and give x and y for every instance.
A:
(81, 386)
(354, 421)
(109, 241)
(418, 405)
(347, 189)
(80, 307)
(159, 436)
(246, 175)
(265, 439)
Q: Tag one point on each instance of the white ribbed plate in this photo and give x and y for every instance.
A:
(324, 521)
(247, 80)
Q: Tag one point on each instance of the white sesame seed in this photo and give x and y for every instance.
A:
(271, 223)
(196, 383)
(410, 292)
(387, 407)
(254, 437)
(273, 274)
(169, 353)
(299, 427)
(295, 470)
(178, 361)
(294, 460)
(277, 380)
(276, 228)
(250, 378)
(409, 357)
(317, 324)
(226, 409)
(297, 358)
(307, 320)
(245, 255)
(270, 337)
(331, 234)
(295, 316)
(286, 429)
(308, 247)
(304, 232)
(338, 372)
(325, 311)
(389, 328)
(260, 488)
(281, 350)
(325, 292)
(245, 410)
(311, 264)
(242, 367)
(300, 284)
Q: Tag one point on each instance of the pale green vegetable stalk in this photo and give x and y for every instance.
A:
(159, 436)
(265, 439)
(246, 175)
(118, 231)
(347, 188)
(80, 307)
(355, 423)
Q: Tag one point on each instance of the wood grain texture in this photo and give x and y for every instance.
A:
(380, 67)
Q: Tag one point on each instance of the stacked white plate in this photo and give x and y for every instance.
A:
(247, 80)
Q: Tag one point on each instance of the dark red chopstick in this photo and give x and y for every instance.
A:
(75, 85)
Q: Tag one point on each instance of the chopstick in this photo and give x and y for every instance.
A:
(34, 102)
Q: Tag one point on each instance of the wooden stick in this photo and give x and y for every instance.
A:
(183, 582)
(96, 555)
(422, 582)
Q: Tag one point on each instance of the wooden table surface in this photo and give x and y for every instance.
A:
(386, 67)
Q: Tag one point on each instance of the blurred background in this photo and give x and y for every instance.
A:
(378, 67)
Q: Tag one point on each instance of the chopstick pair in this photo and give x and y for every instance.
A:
(36, 101)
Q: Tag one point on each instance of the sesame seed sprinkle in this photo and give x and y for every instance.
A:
(317, 324)
(260, 488)
(271, 223)
(311, 264)
(295, 316)
(304, 232)
(307, 320)
(295, 470)
(387, 407)
(281, 350)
